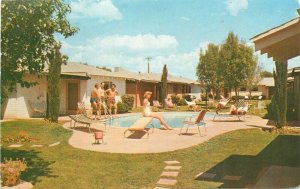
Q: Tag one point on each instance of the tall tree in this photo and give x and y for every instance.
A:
(266, 74)
(28, 42)
(279, 99)
(164, 85)
(235, 58)
(209, 71)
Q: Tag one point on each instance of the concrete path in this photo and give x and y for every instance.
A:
(159, 141)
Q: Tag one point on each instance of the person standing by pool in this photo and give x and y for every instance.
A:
(148, 113)
(101, 101)
(95, 96)
(111, 98)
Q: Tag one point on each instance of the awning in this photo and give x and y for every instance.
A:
(282, 42)
(75, 75)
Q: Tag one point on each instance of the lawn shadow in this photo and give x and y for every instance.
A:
(282, 151)
(36, 166)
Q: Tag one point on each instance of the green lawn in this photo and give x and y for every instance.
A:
(243, 153)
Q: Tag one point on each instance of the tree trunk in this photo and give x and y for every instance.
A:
(279, 100)
(206, 98)
(55, 62)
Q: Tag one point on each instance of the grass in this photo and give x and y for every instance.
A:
(243, 152)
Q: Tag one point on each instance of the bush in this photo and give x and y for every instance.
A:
(175, 99)
(182, 102)
(122, 107)
(11, 171)
(21, 138)
(187, 97)
(129, 100)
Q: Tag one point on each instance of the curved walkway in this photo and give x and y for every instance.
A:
(159, 141)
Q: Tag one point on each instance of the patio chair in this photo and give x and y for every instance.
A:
(157, 105)
(83, 119)
(195, 121)
(242, 109)
(140, 125)
(169, 104)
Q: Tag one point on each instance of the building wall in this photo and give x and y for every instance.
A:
(20, 102)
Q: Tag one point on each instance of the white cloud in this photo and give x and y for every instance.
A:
(234, 6)
(103, 10)
(185, 18)
(178, 63)
(299, 2)
(138, 43)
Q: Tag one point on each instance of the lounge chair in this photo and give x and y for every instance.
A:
(195, 121)
(191, 104)
(169, 104)
(242, 109)
(83, 119)
(140, 125)
(157, 105)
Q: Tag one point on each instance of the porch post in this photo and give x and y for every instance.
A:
(279, 100)
(136, 93)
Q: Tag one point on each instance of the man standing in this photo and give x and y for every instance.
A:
(101, 101)
(111, 98)
(95, 96)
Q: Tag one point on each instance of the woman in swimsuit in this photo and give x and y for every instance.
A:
(148, 113)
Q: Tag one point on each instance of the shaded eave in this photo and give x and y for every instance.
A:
(281, 42)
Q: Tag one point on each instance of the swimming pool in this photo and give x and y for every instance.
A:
(174, 119)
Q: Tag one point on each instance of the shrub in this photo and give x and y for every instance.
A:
(182, 102)
(175, 99)
(11, 170)
(129, 100)
(21, 138)
(122, 107)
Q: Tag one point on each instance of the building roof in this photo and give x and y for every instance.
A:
(267, 81)
(74, 68)
(281, 42)
(154, 77)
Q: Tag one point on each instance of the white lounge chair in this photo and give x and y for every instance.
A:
(140, 125)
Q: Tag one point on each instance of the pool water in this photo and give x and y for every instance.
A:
(174, 119)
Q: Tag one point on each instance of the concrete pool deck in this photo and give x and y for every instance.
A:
(159, 141)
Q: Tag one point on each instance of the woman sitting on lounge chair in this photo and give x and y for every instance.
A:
(148, 113)
(238, 111)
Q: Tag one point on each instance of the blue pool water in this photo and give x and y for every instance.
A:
(174, 119)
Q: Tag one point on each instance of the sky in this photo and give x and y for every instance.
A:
(122, 33)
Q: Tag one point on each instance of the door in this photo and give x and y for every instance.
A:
(72, 96)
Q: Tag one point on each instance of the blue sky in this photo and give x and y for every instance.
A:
(124, 32)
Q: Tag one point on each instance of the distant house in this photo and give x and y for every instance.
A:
(77, 81)
(265, 87)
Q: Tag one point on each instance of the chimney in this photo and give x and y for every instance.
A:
(118, 69)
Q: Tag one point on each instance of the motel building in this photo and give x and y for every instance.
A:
(77, 82)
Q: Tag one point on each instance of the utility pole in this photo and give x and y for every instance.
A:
(148, 58)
